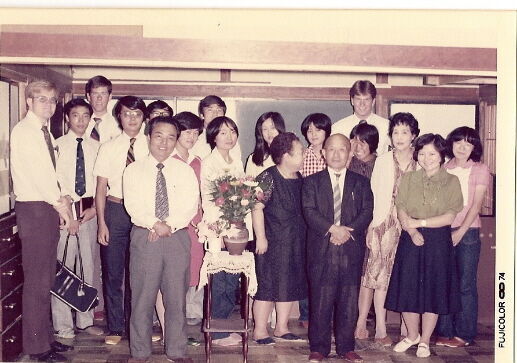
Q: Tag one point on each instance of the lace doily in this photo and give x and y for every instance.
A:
(223, 261)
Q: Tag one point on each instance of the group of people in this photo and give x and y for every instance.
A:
(369, 211)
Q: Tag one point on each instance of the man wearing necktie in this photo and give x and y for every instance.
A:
(40, 204)
(113, 221)
(77, 155)
(338, 206)
(102, 126)
(161, 195)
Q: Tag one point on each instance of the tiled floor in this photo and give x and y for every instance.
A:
(90, 349)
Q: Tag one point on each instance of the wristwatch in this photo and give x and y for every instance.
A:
(423, 223)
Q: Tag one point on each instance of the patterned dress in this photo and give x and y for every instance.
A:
(383, 240)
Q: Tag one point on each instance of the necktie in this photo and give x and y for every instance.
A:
(95, 131)
(362, 122)
(80, 178)
(46, 134)
(161, 206)
(131, 152)
(337, 200)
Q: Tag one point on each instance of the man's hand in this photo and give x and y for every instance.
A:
(261, 245)
(162, 229)
(87, 214)
(73, 228)
(65, 212)
(340, 234)
(103, 234)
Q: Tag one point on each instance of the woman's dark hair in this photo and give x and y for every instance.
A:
(159, 105)
(367, 133)
(164, 120)
(188, 121)
(209, 101)
(404, 118)
(469, 135)
(281, 145)
(261, 151)
(213, 128)
(320, 121)
(131, 102)
(436, 140)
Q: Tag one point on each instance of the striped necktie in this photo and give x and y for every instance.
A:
(161, 203)
(131, 151)
(48, 141)
(95, 131)
(337, 201)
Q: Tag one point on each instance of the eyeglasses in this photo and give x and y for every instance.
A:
(160, 113)
(45, 99)
(133, 113)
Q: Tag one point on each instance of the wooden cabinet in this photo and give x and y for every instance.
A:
(11, 281)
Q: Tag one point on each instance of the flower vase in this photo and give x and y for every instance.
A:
(213, 245)
(237, 239)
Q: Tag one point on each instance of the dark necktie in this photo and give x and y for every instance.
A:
(95, 131)
(362, 122)
(161, 206)
(337, 200)
(131, 151)
(46, 134)
(80, 178)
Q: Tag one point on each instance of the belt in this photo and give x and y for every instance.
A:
(115, 199)
(83, 204)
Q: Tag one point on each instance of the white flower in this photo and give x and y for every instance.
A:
(245, 202)
(250, 183)
(233, 198)
(258, 190)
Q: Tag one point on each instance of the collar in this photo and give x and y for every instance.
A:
(440, 176)
(138, 136)
(191, 156)
(366, 119)
(334, 171)
(451, 164)
(35, 120)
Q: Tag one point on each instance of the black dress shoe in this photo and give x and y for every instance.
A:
(58, 347)
(49, 356)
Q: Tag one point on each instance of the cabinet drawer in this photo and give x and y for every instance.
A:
(11, 275)
(11, 307)
(12, 342)
(10, 246)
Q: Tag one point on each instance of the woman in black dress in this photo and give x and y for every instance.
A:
(280, 240)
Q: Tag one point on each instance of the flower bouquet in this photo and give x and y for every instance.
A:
(235, 198)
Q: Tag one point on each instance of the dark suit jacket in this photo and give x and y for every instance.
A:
(318, 210)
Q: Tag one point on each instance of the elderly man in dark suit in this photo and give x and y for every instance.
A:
(338, 206)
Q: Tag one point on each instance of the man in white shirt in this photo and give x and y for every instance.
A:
(103, 126)
(40, 204)
(209, 108)
(161, 196)
(74, 168)
(114, 224)
(362, 98)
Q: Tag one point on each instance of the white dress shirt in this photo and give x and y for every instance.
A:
(111, 160)
(34, 176)
(253, 169)
(202, 149)
(140, 192)
(346, 125)
(108, 127)
(66, 163)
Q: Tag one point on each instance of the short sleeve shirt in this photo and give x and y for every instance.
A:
(422, 197)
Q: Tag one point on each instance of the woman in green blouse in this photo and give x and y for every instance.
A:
(424, 280)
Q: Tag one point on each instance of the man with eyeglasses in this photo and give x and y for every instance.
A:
(103, 126)
(114, 224)
(41, 204)
(156, 109)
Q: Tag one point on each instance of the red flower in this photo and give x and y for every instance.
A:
(246, 193)
(219, 201)
(223, 187)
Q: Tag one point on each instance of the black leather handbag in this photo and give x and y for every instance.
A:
(70, 288)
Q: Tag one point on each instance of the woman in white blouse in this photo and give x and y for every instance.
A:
(221, 135)
(268, 126)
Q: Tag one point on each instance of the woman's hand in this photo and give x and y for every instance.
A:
(261, 245)
(417, 238)
(457, 235)
(369, 238)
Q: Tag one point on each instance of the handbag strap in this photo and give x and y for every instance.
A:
(63, 261)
